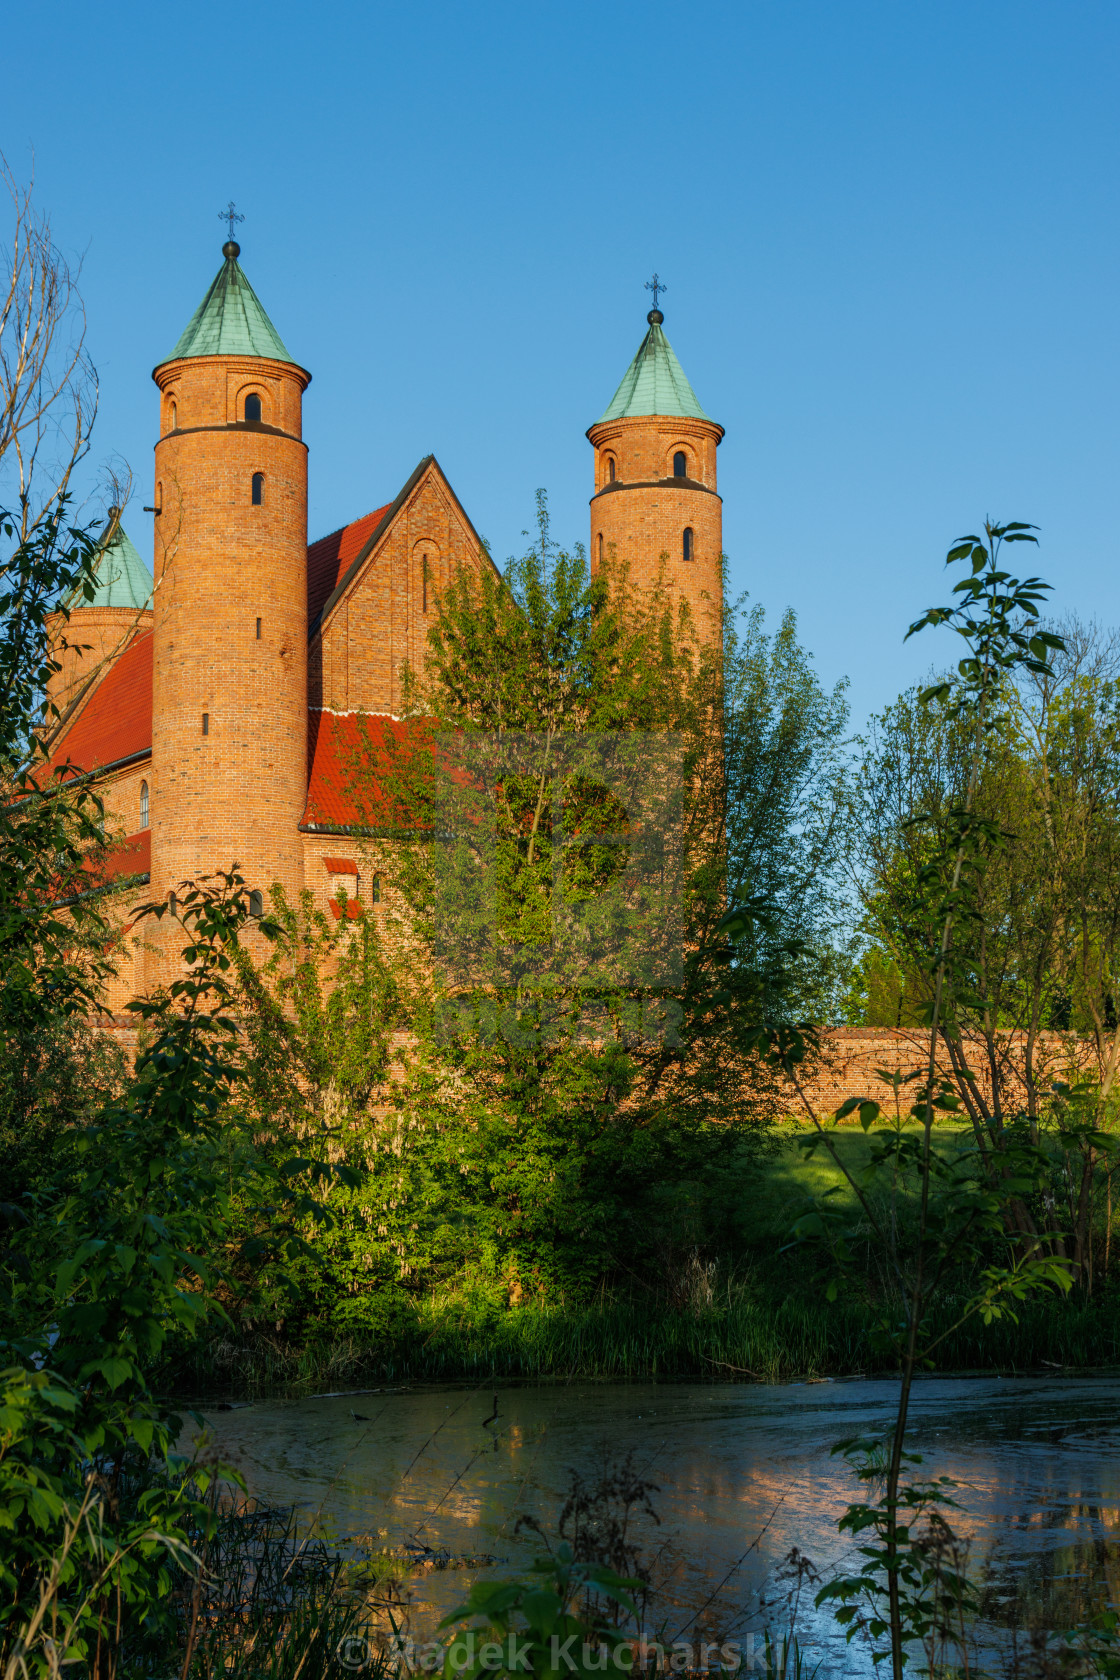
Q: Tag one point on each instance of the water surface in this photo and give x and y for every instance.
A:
(744, 1474)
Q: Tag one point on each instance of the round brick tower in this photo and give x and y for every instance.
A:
(229, 717)
(655, 507)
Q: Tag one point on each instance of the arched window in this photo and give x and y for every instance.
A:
(375, 890)
(143, 804)
(256, 902)
(610, 469)
(600, 548)
(172, 415)
(258, 489)
(424, 570)
(173, 904)
(680, 464)
(687, 547)
(252, 406)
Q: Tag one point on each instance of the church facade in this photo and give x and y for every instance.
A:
(217, 701)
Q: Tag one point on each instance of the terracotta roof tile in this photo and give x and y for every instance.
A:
(328, 559)
(354, 909)
(116, 721)
(131, 856)
(343, 750)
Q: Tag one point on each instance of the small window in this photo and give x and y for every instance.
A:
(600, 548)
(206, 723)
(258, 629)
(610, 469)
(258, 489)
(173, 904)
(680, 464)
(252, 406)
(375, 890)
(143, 804)
(173, 416)
(256, 902)
(424, 570)
(688, 542)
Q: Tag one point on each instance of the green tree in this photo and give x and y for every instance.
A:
(611, 848)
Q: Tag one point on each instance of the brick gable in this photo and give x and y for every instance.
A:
(378, 616)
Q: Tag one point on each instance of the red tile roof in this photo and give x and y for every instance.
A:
(347, 753)
(329, 559)
(116, 721)
(132, 856)
(354, 909)
(340, 866)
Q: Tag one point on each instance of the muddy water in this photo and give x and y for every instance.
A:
(744, 1474)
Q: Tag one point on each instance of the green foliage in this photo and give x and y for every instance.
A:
(112, 1259)
(584, 787)
(50, 828)
(547, 1624)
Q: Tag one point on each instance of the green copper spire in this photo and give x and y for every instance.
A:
(230, 320)
(123, 580)
(655, 382)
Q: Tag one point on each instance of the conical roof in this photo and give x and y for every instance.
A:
(122, 579)
(655, 381)
(230, 320)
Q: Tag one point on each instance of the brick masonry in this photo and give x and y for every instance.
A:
(852, 1057)
(639, 516)
(381, 621)
(229, 693)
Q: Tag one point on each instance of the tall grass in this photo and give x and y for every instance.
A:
(763, 1336)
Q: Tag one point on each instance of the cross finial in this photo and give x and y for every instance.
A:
(230, 215)
(656, 285)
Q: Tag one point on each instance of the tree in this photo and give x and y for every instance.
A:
(1041, 946)
(587, 801)
(48, 385)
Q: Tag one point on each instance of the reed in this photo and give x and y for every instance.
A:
(759, 1336)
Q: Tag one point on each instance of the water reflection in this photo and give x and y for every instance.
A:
(745, 1473)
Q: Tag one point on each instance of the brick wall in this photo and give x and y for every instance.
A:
(852, 1055)
(235, 792)
(356, 659)
(643, 512)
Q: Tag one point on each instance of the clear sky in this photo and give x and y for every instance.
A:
(889, 232)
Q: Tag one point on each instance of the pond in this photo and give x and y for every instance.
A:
(744, 1473)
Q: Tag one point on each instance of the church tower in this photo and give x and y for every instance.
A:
(229, 724)
(655, 504)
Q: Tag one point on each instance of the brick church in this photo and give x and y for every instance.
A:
(216, 700)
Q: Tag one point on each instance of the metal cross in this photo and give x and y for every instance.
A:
(655, 285)
(232, 216)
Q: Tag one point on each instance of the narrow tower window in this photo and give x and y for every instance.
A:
(610, 468)
(256, 902)
(252, 406)
(173, 415)
(206, 723)
(143, 804)
(258, 629)
(680, 464)
(375, 890)
(688, 542)
(600, 548)
(173, 904)
(258, 489)
(424, 570)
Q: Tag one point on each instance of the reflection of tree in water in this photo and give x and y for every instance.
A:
(1052, 1590)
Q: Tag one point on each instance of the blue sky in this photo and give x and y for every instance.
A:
(889, 232)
